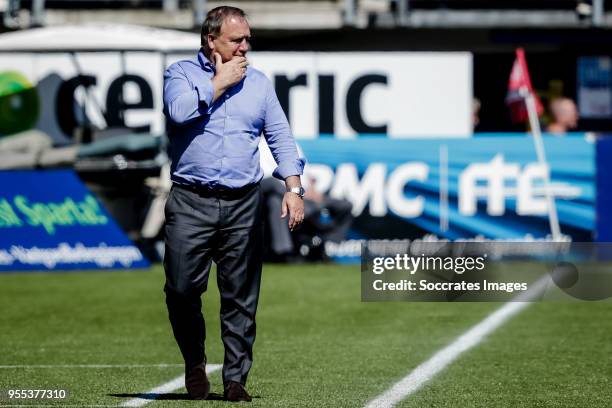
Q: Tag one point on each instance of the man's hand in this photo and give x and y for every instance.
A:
(294, 206)
(228, 74)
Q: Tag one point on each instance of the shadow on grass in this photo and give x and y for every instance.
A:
(172, 396)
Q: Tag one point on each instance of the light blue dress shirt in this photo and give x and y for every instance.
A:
(216, 145)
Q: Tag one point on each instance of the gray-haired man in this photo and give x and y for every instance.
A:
(217, 108)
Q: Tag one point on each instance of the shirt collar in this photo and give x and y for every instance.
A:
(205, 62)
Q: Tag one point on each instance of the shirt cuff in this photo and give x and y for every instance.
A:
(289, 168)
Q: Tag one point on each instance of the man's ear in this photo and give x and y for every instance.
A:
(210, 40)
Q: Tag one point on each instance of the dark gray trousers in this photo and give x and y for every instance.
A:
(224, 227)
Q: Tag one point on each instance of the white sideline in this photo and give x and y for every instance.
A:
(439, 361)
(172, 385)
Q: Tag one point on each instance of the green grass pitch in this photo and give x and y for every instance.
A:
(317, 344)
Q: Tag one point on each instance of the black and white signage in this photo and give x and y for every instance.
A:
(343, 94)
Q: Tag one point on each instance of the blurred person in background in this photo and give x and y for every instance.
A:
(564, 115)
(217, 107)
(325, 218)
(476, 105)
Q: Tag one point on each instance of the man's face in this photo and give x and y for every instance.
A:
(569, 114)
(233, 40)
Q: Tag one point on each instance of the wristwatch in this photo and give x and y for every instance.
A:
(297, 190)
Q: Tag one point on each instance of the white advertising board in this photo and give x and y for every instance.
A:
(399, 94)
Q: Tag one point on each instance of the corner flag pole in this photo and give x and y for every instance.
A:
(534, 122)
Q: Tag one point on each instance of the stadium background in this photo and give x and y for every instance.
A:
(96, 333)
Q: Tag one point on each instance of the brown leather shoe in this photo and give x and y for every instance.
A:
(197, 383)
(235, 392)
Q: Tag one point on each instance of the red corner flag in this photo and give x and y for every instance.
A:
(518, 85)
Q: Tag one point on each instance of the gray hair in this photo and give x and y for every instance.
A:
(214, 20)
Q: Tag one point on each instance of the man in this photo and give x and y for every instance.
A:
(564, 116)
(217, 108)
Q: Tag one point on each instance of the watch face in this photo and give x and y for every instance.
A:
(298, 190)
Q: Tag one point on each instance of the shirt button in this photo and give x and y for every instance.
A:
(226, 96)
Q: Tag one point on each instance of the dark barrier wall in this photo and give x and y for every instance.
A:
(604, 190)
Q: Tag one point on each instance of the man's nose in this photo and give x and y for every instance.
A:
(244, 46)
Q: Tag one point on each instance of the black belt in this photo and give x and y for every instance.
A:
(219, 192)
